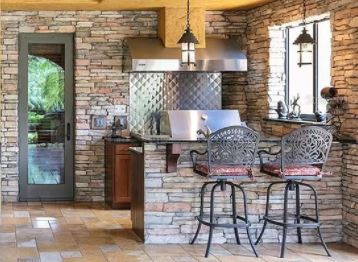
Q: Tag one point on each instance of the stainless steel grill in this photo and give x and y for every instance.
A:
(184, 124)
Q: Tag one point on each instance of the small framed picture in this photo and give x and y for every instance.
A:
(99, 122)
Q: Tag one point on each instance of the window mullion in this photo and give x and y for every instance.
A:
(315, 67)
(287, 60)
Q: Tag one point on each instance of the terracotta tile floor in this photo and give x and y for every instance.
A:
(51, 232)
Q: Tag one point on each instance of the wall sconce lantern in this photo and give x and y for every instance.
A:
(188, 42)
(305, 43)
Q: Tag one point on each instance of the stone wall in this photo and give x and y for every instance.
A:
(230, 24)
(101, 86)
(264, 85)
(264, 55)
(261, 92)
(350, 194)
(173, 200)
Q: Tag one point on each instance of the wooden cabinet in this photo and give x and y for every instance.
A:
(137, 204)
(118, 163)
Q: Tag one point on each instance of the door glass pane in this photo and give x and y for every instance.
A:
(300, 78)
(46, 117)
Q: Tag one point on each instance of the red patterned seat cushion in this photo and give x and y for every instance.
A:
(223, 170)
(291, 170)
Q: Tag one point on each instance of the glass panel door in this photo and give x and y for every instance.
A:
(46, 116)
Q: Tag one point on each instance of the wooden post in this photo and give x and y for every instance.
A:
(173, 153)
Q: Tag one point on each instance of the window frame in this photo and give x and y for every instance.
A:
(314, 65)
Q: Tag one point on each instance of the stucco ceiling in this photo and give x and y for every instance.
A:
(125, 4)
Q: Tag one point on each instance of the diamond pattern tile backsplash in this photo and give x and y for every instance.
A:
(151, 93)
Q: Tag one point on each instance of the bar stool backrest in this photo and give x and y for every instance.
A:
(308, 145)
(234, 145)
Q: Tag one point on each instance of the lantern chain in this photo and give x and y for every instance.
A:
(304, 12)
(188, 14)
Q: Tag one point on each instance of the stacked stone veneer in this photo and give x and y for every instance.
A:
(265, 56)
(350, 194)
(265, 84)
(101, 86)
(231, 24)
(172, 200)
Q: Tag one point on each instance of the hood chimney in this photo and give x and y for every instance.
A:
(164, 54)
(172, 24)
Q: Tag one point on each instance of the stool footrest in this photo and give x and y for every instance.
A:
(231, 221)
(315, 223)
(229, 225)
(292, 221)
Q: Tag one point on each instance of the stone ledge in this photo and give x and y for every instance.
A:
(295, 121)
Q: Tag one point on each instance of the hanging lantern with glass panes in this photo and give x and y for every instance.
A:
(305, 43)
(188, 42)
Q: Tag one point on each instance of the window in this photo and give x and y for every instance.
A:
(308, 80)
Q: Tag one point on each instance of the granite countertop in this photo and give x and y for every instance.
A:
(163, 139)
(159, 139)
(120, 140)
(296, 121)
(136, 149)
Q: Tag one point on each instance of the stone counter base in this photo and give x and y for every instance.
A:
(172, 201)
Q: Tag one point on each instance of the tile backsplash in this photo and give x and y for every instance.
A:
(151, 93)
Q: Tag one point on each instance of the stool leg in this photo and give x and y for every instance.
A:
(323, 243)
(317, 218)
(233, 195)
(211, 219)
(201, 210)
(196, 234)
(247, 220)
(298, 213)
(266, 211)
(250, 240)
(285, 219)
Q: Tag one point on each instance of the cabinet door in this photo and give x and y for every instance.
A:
(109, 170)
(122, 179)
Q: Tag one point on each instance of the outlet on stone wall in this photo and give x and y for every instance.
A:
(120, 109)
(121, 121)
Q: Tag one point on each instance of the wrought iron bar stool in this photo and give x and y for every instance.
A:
(302, 156)
(230, 155)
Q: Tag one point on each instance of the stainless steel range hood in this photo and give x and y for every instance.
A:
(149, 55)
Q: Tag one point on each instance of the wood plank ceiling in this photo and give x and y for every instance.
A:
(126, 4)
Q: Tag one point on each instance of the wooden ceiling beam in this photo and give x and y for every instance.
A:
(172, 23)
(126, 4)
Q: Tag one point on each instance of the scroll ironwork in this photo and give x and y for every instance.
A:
(235, 145)
(307, 145)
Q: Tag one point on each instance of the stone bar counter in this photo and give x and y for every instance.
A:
(165, 203)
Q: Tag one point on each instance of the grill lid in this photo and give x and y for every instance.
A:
(184, 124)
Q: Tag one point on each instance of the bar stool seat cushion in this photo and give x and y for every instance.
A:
(273, 168)
(222, 170)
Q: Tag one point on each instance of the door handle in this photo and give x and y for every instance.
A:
(68, 131)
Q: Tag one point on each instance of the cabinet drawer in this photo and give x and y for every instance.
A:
(122, 148)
